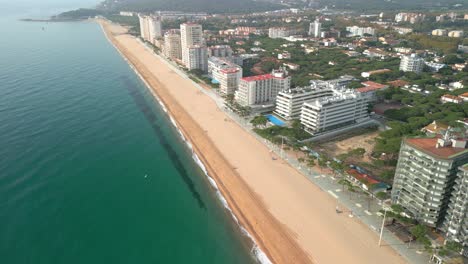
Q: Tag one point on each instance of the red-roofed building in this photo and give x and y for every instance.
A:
(398, 83)
(370, 90)
(448, 98)
(226, 73)
(262, 89)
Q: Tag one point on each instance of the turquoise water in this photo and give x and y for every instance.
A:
(275, 120)
(91, 171)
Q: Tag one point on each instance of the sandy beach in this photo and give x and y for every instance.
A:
(291, 219)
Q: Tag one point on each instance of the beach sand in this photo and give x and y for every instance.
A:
(291, 219)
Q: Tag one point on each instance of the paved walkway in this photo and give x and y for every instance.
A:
(361, 207)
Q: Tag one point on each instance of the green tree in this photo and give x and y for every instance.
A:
(259, 120)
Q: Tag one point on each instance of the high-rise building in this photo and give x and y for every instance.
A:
(262, 89)
(191, 34)
(150, 27)
(226, 73)
(197, 58)
(360, 31)
(345, 107)
(289, 102)
(456, 221)
(221, 51)
(315, 29)
(172, 45)
(412, 63)
(425, 176)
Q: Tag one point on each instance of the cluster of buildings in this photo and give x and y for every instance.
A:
(445, 32)
(412, 18)
(431, 181)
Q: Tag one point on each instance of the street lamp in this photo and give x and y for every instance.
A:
(382, 227)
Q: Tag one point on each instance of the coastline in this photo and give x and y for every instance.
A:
(263, 254)
(281, 214)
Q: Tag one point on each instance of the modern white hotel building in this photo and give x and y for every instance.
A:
(343, 108)
(289, 102)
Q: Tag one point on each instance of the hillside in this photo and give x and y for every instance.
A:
(210, 6)
(395, 4)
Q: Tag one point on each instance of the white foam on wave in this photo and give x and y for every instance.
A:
(256, 251)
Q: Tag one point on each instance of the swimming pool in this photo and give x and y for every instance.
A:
(275, 121)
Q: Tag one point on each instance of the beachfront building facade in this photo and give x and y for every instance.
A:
(259, 92)
(289, 102)
(226, 73)
(345, 107)
(255, 90)
(315, 29)
(425, 175)
(411, 63)
(221, 51)
(150, 27)
(172, 45)
(191, 35)
(197, 58)
(360, 31)
(456, 221)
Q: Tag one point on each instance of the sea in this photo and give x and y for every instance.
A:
(91, 169)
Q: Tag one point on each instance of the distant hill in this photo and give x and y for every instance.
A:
(209, 6)
(395, 4)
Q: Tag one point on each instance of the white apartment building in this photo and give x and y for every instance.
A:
(197, 58)
(289, 103)
(226, 73)
(281, 81)
(456, 222)
(315, 29)
(411, 63)
(343, 108)
(409, 17)
(191, 34)
(278, 32)
(172, 45)
(255, 90)
(221, 51)
(456, 34)
(262, 89)
(426, 174)
(150, 27)
(360, 31)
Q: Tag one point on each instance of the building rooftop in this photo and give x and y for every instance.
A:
(429, 146)
(398, 83)
(371, 86)
(257, 78)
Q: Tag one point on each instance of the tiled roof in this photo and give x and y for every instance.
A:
(257, 78)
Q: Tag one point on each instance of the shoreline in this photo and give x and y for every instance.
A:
(291, 219)
(261, 252)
